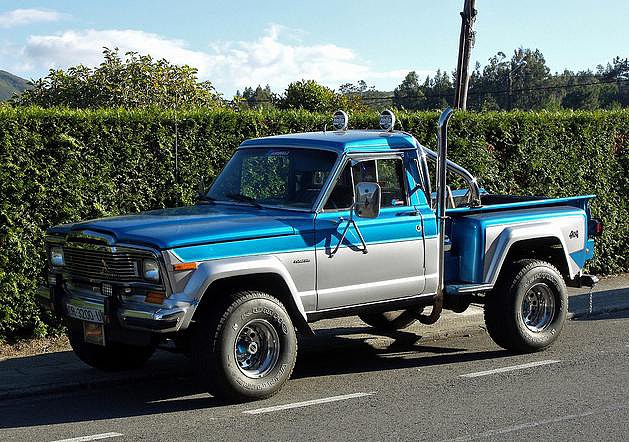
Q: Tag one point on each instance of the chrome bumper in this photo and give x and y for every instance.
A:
(129, 315)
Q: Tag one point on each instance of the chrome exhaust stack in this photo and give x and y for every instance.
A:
(442, 169)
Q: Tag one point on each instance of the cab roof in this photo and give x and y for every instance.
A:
(340, 141)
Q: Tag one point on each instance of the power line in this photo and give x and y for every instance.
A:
(481, 92)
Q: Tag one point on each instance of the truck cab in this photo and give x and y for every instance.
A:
(307, 226)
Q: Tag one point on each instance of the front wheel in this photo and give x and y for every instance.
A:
(245, 348)
(528, 307)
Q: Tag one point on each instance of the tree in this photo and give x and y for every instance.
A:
(409, 95)
(438, 91)
(312, 96)
(136, 81)
(260, 97)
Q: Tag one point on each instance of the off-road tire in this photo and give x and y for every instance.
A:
(214, 346)
(389, 321)
(112, 357)
(503, 307)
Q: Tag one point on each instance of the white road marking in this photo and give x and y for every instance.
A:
(92, 437)
(526, 426)
(505, 369)
(307, 403)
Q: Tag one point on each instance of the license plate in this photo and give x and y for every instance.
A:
(94, 333)
(85, 314)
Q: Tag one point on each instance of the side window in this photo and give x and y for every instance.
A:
(342, 195)
(391, 180)
(388, 173)
(365, 172)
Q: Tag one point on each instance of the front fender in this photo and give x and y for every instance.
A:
(197, 282)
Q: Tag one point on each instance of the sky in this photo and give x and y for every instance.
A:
(242, 43)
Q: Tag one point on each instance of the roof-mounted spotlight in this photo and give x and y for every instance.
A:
(387, 120)
(340, 120)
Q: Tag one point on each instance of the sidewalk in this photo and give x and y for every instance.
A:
(62, 371)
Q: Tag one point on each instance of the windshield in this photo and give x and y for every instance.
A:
(290, 178)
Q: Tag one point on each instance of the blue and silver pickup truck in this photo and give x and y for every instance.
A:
(307, 226)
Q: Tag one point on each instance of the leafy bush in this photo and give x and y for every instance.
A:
(58, 166)
(132, 82)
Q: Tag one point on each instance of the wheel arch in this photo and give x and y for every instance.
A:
(542, 241)
(257, 273)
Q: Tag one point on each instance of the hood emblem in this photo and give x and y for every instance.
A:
(105, 266)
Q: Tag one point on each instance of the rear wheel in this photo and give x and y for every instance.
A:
(528, 307)
(112, 357)
(245, 348)
(389, 321)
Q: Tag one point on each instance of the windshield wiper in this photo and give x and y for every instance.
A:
(244, 199)
(206, 200)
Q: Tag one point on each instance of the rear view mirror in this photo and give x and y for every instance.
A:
(367, 200)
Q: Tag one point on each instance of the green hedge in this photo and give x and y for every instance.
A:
(58, 166)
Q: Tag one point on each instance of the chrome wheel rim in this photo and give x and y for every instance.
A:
(257, 348)
(538, 307)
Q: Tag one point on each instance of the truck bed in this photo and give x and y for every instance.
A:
(496, 202)
(478, 234)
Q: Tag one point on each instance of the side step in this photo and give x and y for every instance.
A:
(462, 289)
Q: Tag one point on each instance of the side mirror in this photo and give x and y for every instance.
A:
(367, 200)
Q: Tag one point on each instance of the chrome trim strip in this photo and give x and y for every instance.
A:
(366, 304)
(90, 235)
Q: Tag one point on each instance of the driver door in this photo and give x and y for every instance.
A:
(393, 264)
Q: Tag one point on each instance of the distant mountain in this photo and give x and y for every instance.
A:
(11, 84)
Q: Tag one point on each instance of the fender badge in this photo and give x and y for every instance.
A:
(301, 261)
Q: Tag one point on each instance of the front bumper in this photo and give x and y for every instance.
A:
(116, 312)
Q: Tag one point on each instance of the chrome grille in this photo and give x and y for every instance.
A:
(97, 264)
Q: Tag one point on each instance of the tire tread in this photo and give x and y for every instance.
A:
(503, 332)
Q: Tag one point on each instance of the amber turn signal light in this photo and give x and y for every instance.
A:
(184, 266)
(154, 297)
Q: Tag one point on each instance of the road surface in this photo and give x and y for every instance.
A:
(349, 386)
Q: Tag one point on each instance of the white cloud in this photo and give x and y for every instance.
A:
(271, 60)
(276, 58)
(19, 17)
(70, 48)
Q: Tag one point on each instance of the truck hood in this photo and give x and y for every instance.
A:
(190, 225)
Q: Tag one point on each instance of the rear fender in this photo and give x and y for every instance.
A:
(500, 240)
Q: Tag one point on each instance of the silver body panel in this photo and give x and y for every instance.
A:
(299, 278)
(499, 239)
(387, 271)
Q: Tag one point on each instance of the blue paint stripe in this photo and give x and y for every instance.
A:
(263, 246)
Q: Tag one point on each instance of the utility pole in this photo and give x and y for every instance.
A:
(466, 43)
(518, 65)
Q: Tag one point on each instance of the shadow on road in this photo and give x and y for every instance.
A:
(605, 316)
(336, 354)
(330, 354)
(598, 303)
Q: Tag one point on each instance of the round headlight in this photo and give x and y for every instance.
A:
(150, 270)
(56, 256)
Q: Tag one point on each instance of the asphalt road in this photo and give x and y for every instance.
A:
(374, 388)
